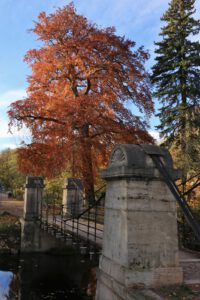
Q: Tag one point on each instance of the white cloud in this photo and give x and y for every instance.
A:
(155, 135)
(8, 97)
(129, 17)
(4, 129)
(7, 146)
(8, 139)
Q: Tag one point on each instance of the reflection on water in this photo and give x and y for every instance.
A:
(5, 282)
(35, 277)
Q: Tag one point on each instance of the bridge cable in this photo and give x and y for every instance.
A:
(193, 223)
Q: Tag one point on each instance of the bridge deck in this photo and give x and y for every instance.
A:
(189, 260)
(87, 230)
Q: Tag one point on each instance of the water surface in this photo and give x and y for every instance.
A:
(42, 276)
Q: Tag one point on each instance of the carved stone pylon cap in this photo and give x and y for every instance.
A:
(129, 160)
(34, 182)
(73, 183)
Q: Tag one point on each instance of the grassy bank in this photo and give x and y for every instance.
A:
(9, 233)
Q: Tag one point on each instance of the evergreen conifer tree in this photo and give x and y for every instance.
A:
(176, 79)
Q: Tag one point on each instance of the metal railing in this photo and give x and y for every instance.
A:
(190, 217)
(188, 220)
(5, 195)
(81, 224)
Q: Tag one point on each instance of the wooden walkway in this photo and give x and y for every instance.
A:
(88, 231)
(190, 262)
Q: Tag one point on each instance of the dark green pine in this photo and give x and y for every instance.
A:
(176, 78)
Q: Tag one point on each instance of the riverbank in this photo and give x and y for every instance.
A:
(12, 206)
(9, 233)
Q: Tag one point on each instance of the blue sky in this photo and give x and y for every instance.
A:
(136, 19)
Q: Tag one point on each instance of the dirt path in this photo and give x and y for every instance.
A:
(14, 207)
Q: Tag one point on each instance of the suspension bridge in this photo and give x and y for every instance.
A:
(135, 227)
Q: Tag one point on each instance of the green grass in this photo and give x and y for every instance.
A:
(8, 223)
(182, 292)
(9, 233)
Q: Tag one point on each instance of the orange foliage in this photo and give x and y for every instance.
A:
(82, 78)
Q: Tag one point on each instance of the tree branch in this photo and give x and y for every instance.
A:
(19, 118)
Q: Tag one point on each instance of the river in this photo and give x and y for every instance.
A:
(50, 277)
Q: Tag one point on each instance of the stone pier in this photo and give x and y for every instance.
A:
(33, 198)
(72, 196)
(30, 236)
(33, 239)
(140, 244)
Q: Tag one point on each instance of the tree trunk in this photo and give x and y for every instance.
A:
(87, 167)
(183, 138)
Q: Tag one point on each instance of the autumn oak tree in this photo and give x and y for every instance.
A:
(82, 77)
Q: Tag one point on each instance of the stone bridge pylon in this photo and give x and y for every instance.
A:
(140, 241)
(33, 239)
(30, 236)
